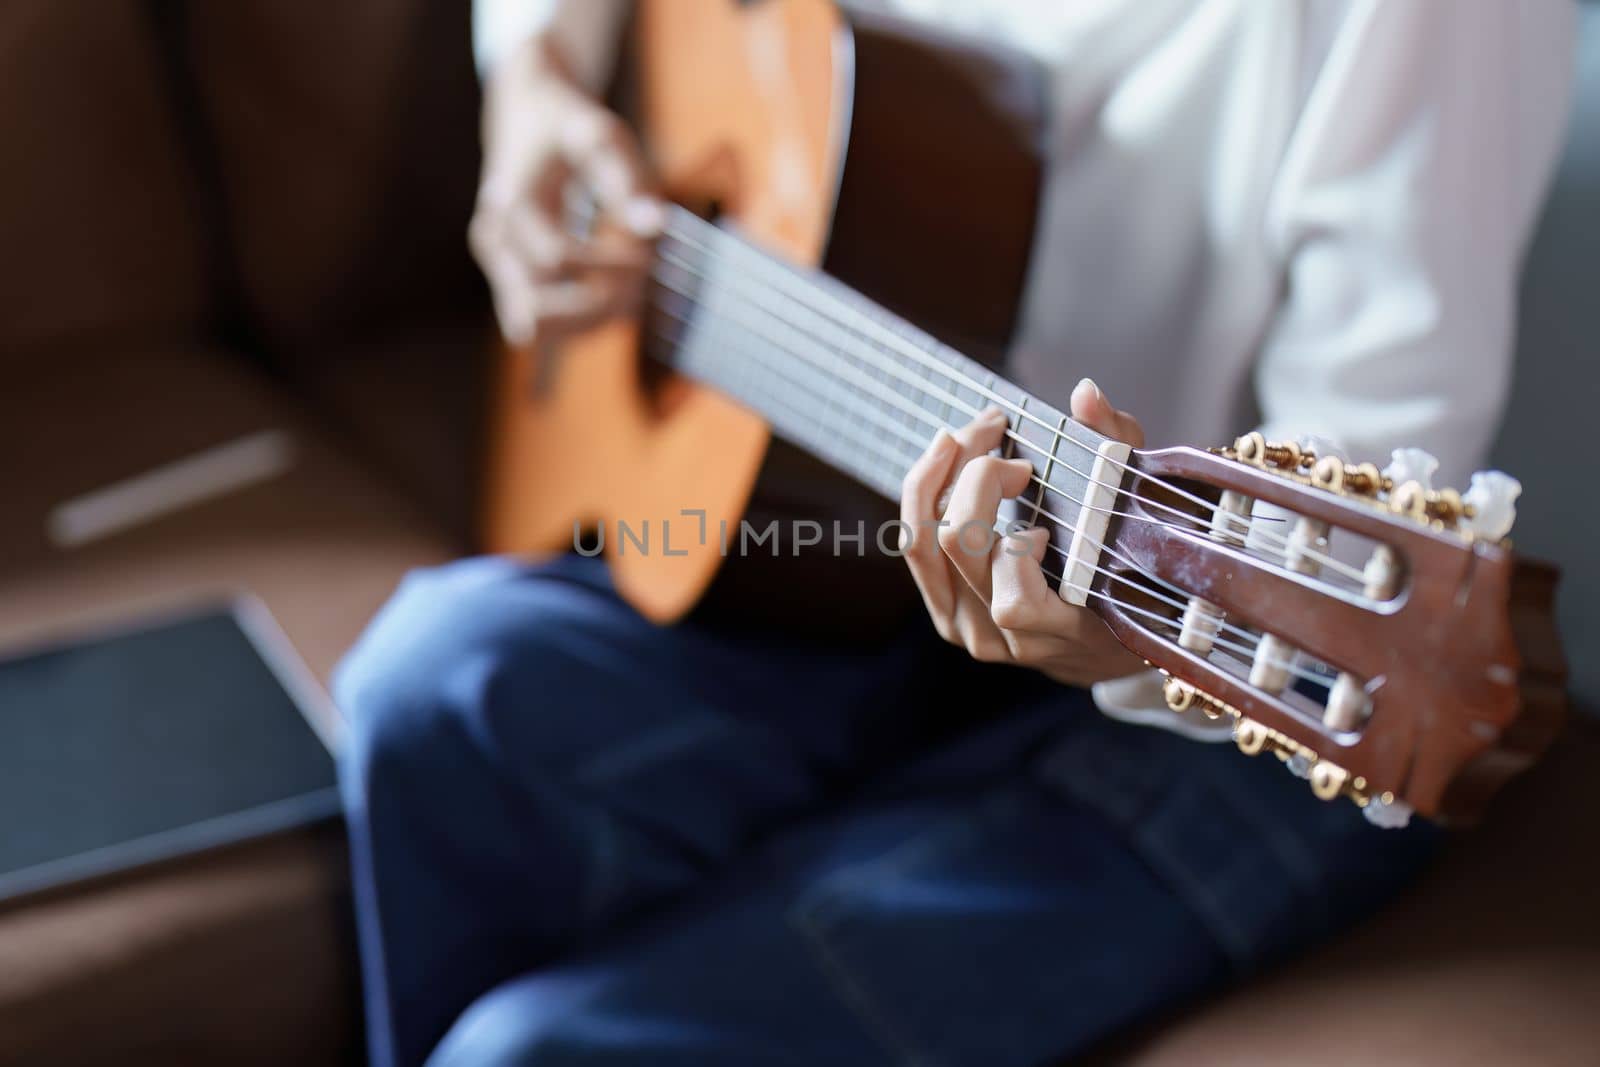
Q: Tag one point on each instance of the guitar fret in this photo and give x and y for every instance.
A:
(1008, 446)
(833, 372)
(1049, 469)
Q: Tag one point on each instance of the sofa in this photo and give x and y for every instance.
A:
(219, 219)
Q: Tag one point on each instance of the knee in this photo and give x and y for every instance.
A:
(535, 1021)
(457, 663)
(405, 689)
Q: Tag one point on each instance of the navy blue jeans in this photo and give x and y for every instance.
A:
(581, 839)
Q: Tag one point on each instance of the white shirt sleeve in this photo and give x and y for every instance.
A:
(1405, 198)
(586, 32)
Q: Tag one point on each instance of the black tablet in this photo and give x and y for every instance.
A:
(154, 741)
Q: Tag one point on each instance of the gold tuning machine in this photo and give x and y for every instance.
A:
(1326, 472)
(1424, 505)
(1335, 475)
(1181, 696)
(1446, 506)
(1328, 780)
(1285, 455)
(1365, 478)
(1402, 494)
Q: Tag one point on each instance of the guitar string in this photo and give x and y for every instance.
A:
(919, 384)
(1251, 640)
(864, 381)
(1248, 649)
(1264, 541)
(1218, 642)
(795, 282)
(915, 447)
(1273, 541)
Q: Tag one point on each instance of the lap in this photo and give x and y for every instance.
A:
(1014, 897)
(551, 663)
(1001, 925)
(1046, 874)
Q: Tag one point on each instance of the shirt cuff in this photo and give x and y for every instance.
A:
(586, 32)
(1138, 699)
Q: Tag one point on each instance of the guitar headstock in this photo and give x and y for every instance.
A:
(1374, 633)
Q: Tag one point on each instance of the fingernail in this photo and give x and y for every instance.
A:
(1039, 540)
(644, 217)
(1092, 386)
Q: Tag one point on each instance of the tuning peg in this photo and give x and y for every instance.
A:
(1328, 780)
(1253, 447)
(1320, 447)
(1326, 461)
(1365, 478)
(1250, 736)
(1411, 465)
(1491, 504)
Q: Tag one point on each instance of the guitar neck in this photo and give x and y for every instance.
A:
(834, 373)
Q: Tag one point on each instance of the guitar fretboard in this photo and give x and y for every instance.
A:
(836, 374)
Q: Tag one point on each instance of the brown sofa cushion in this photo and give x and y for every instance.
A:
(242, 957)
(346, 137)
(95, 228)
(346, 150)
(322, 544)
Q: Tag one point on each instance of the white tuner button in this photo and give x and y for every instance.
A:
(1493, 500)
(1389, 814)
(1411, 465)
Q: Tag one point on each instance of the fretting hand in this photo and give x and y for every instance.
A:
(989, 594)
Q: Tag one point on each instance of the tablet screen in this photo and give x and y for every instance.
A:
(145, 744)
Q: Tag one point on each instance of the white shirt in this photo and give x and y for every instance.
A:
(1306, 215)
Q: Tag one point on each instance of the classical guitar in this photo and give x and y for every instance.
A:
(1418, 673)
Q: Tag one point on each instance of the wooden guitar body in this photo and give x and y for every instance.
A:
(903, 162)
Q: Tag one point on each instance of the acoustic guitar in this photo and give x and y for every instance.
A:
(811, 299)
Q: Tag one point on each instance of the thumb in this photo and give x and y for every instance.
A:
(1091, 407)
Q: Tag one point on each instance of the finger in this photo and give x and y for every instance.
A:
(565, 308)
(545, 283)
(1022, 598)
(606, 156)
(919, 493)
(983, 434)
(513, 290)
(969, 539)
(535, 238)
(1091, 407)
(980, 436)
(517, 235)
(978, 634)
(609, 251)
(1071, 644)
